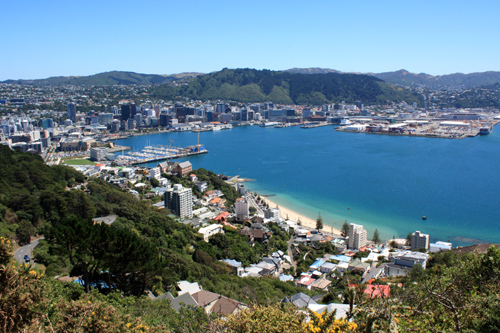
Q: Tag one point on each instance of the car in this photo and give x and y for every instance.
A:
(26, 257)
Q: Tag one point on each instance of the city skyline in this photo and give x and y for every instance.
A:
(66, 39)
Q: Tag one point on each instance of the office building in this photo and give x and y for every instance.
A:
(125, 112)
(357, 236)
(180, 201)
(419, 241)
(72, 112)
(98, 154)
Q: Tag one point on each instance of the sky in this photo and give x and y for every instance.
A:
(41, 39)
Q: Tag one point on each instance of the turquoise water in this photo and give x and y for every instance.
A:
(382, 182)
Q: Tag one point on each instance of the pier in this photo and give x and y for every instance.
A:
(315, 125)
(160, 153)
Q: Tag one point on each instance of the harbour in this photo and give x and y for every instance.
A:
(388, 182)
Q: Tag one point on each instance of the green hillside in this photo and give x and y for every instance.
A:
(250, 85)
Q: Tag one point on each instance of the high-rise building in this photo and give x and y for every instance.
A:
(242, 208)
(72, 112)
(125, 112)
(180, 201)
(419, 241)
(357, 236)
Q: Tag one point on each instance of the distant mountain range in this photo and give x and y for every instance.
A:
(104, 79)
(405, 78)
(250, 85)
(401, 77)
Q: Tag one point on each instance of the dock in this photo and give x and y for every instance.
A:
(160, 153)
(315, 125)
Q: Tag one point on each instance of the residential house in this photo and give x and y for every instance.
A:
(305, 281)
(321, 284)
(218, 304)
(300, 300)
(211, 230)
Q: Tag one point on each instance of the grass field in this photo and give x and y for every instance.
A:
(78, 161)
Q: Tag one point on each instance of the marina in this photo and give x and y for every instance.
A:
(159, 153)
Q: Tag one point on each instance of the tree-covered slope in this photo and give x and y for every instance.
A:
(250, 85)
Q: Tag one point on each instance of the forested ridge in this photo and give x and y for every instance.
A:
(250, 85)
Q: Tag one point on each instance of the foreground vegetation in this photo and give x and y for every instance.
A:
(144, 249)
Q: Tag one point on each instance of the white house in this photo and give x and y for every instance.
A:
(211, 230)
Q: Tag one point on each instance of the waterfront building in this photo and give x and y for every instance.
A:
(180, 201)
(272, 213)
(439, 247)
(357, 236)
(419, 241)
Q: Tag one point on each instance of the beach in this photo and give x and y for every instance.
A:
(306, 222)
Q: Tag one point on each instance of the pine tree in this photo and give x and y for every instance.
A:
(319, 222)
(376, 238)
(345, 229)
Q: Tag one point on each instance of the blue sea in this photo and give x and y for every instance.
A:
(382, 182)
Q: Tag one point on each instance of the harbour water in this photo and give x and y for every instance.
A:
(382, 182)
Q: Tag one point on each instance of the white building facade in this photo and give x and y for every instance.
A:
(357, 236)
(180, 201)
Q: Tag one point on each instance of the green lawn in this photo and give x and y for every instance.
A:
(78, 161)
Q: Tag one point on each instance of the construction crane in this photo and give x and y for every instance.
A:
(170, 145)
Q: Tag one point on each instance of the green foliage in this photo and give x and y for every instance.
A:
(319, 222)
(250, 85)
(345, 229)
(376, 237)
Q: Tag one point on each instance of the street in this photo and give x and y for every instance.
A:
(25, 250)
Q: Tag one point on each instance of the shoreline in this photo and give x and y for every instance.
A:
(306, 222)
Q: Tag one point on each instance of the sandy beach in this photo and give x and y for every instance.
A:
(306, 222)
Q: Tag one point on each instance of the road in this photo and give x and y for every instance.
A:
(290, 254)
(253, 202)
(25, 250)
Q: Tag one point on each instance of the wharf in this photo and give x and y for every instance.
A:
(160, 153)
(169, 157)
(314, 125)
(119, 148)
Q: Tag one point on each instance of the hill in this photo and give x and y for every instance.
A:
(405, 78)
(250, 85)
(106, 78)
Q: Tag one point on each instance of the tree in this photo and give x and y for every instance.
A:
(408, 239)
(319, 222)
(345, 229)
(24, 232)
(376, 238)
(155, 182)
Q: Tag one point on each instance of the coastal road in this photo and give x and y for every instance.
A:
(25, 250)
(253, 202)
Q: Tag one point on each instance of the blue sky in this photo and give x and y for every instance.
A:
(40, 39)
